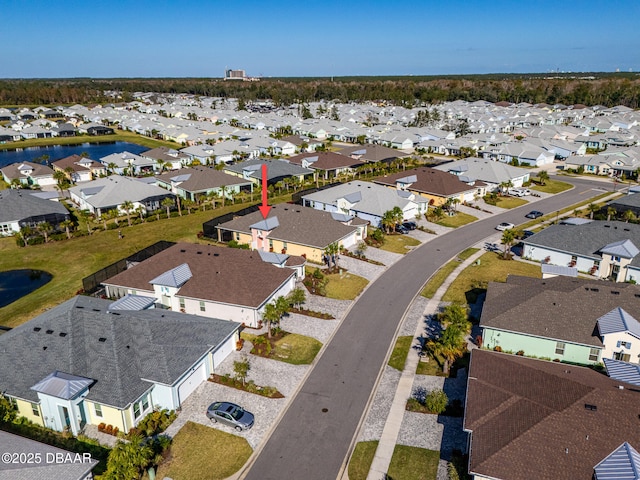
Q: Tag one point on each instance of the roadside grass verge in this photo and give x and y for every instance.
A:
(344, 286)
(190, 456)
(398, 243)
(458, 220)
(473, 280)
(361, 460)
(400, 352)
(510, 202)
(292, 348)
(551, 186)
(441, 275)
(413, 463)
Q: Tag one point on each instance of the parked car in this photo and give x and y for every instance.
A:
(534, 214)
(401, 229)
(410, 225)
(230, 414)
(505, 226)
(515, 192)
(525, 191)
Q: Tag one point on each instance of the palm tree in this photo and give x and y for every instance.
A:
(167, 203)
(449, 346)
(86, 217)
(104, 216)
(593, 208)
(67, 224)
(332, 251)
(141, 211)
(179, 204)
(507, 239)
(127, 206)
(188, 204)
(297, 297)
(25, 233)
(111, 167)
(223, 193)
(45, 228)
(61, 178)
(271, 316)
(543, 176)
(388, 221)
(628, 215)
(611, 212)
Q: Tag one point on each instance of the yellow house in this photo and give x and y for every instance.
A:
(294, 230)
(117, 365)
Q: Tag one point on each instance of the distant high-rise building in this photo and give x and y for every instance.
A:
(234, 74)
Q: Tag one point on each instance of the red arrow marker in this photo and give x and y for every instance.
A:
(264, 208)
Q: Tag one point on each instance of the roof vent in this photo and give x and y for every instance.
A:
(182, 251)
(216, 254)
(63, 334)
(79, 306)
(199, 253)
(615, 292)
(115, 313)
(588, 406)
(595, 289)
(96, 309)
(102, 339)
(286, 209)
(49, 332)
(44, 348)
(607, 226)
(37, 329)
(626, 230)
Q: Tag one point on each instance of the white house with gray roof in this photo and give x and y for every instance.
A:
(82, 363)
(21, 208)
(104, 194)
(124, 163)
(491, 172)
(604, 249)
(366, 200)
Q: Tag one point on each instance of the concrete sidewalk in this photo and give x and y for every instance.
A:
(389, 438)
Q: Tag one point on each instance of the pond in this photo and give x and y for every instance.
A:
(15, 284)
(55, 152)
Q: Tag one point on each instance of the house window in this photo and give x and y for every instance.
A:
(237, 236)
(616, 259)
(136, 410)
(202, 306)
(594, 353)
(284, 245)
(98, 408)
(624, 344)
(145, 403)
(270, 244)
(35, 409)
(623, 357)
(182, 303)
(560, 348)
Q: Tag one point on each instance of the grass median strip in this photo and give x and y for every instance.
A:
(413, 463)
(400, 352)
(361, 460)
(458, 220)
(441, 275)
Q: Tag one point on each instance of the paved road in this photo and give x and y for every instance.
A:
(313, 438)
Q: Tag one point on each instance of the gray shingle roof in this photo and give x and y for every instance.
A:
(586, 240)
(139, 347)
(18, 205)
(564, 308)
(200, 179)
(114, 190)
(276, 169)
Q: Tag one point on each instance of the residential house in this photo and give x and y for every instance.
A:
(529, 418)
(373, 153)
(277, 171)
(207, 281)
(367, 201)
(28, 174)
(626, 203)
(576, 320)
(492, 173)
(294, 230)
(126, 163)
(600, 248)
(81, 363)
(439, 187)
(327, 164)
(64, 130)
(8, 135)
(611, 165)
(109, 193)
(79, 169)
(24, 208)
(166, 158)
(196, 183)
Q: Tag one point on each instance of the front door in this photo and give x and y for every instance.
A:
(66, 420)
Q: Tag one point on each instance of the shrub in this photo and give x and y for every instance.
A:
(115, 431)
(436, 401)
(109, 429)
(102, 426)
(155, 422)
(520, 352)
(497, 348)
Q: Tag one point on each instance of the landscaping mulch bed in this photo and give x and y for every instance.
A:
(269, 392)
(363, 258)
(312, 313)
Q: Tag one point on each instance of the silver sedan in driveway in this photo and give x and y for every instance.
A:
(230, 414)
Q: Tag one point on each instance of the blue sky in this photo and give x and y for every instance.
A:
(44, 38)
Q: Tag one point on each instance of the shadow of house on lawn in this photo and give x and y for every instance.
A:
(453, 436)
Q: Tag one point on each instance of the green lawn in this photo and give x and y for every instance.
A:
(552, 186)
(69, 261)
(510, 202)
(345, 286)
(361, 460)
(412, 463)
(492, 268)
(458, 220)
(297, 349)
(433, 367)
(398, 243)
(441, 275)
(400, 352)
(119, 136)
(203, 453)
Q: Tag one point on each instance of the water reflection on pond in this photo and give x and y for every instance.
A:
(15, 284)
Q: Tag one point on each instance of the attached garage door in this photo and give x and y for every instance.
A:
(223, 352)
(192, 382)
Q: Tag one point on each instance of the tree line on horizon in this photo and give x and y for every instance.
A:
(599, 89)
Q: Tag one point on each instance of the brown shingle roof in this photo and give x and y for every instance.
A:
(327, 160)
(225, 275)
(559, 308)
(374, 153)
(299, 225)
(72, 161)
(203, 178)
(430, 180)
(528, 418)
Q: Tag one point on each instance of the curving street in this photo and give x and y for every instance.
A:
(314, 436)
